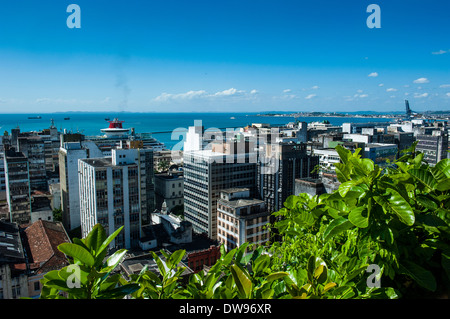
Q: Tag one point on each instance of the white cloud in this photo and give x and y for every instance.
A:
(439, 52)
(381, 84)
(359, 91)
(106, 100)
(309, 97)
(373, 74)
(363, 95)
(228, 92)
(391, 90)
(315, 87)
(287, 91)
(419, 96)
(180, 96)
(202, 94)
(421, 80)
(42, 100)
(444, 86)
(448, 94)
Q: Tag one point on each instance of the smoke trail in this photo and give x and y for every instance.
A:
(122, 82)
(125, 90)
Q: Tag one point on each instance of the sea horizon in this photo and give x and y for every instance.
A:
(166, 127)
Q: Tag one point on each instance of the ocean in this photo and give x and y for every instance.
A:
(161, 125)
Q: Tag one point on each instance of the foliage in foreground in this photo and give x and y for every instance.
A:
(396, 218)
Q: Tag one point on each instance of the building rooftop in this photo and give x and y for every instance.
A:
(98, 162)
(41, 240)
(134, 265)
(235, 190)
(242, 202)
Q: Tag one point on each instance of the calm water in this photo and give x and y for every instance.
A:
(91, 123)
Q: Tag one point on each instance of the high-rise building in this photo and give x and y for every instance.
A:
(278, 168)
(117, 191)
(434, 146)
(207, 172)
(33, 147)
(2, 176)
(17, 180)
(241, 218)
(69, 154)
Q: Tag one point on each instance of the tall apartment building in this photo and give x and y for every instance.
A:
(117, 191)
(69, 154)
(2, 176)
(241, 218)
(33, 147)
(207, 172)
(281, 164)
(146, 184)
(434, 146)
(17, 180)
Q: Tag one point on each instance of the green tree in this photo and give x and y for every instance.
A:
(88, 276)
(396, 218)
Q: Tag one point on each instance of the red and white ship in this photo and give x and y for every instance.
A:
(115, 129)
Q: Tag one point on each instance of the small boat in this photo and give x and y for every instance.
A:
(66, 118)
(107, 119)
(34, 117)
(232, 118)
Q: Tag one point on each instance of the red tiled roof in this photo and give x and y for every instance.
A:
(43, 238)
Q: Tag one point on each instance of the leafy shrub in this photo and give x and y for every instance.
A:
(396, 218)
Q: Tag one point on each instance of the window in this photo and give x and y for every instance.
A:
(37, 286)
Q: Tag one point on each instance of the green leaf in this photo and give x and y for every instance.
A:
(424, 176)
(443, 185)
(344, 154)
(261, 263)
(400, 207)
(108, 240)
(176, 257)
(422, 276)
(276, 275)
(95, 238)
(427, 202)
(243, 283)
(159, 262)
(304, 219)
(241, 252)
(119, 292)
(115, 258)
(357, 218)
(336, 227)
(291, 201)
(345, 187)
(77, 252)
(444, 166)
(320, 274)
(328, 286)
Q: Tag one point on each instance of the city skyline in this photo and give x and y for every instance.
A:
(199, 56)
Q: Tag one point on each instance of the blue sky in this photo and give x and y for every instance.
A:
(247, 56)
